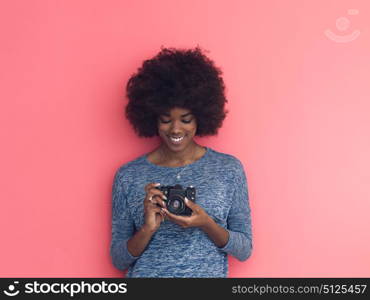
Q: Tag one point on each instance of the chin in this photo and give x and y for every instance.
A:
(176, 147)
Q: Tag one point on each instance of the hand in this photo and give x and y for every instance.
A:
(198, 218)
(153, 207)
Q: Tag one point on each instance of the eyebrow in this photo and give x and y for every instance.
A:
(167, 114)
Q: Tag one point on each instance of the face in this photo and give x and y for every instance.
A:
(177, 128)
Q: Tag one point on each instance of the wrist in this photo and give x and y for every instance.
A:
(207, 224)
(147, 230)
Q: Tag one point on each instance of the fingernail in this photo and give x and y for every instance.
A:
(157, 184)
(186, 199)
(164, 197)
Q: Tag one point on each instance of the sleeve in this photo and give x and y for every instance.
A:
(122, 226)
(239, 225)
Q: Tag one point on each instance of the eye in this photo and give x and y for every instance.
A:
(184, 121)
(163, 120)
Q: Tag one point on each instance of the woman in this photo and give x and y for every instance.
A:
(177, 95)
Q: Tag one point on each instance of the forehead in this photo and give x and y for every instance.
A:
(177, 111)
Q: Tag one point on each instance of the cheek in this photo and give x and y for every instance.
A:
(194, 128)
(162, 134)
(162, 128)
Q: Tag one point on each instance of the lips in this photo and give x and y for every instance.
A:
(176, 140)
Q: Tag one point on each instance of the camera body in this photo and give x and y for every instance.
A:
(175, 202)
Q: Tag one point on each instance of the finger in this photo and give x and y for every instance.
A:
(151, 185)
(162, 215)
(156, 201)
(154, 191)
(179, 220)
(155, 209)
(151, 197)
(165, 215)
(194, 207)
(189, 203)
(156, 197)
(174, 217)
(149, 201)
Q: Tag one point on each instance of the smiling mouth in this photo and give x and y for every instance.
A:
(176, 141)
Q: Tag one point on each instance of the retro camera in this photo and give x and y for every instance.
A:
(175, 202)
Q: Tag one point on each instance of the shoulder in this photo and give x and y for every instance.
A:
(130, 168)
(229, 162)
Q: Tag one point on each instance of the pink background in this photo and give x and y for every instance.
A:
(299, 122)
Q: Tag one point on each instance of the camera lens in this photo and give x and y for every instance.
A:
(176, 204)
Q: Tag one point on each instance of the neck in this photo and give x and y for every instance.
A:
(183, 156)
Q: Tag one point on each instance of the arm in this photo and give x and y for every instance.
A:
(236, 239)
(122, 227)
(239, 225)
(153, 217)
(127, 245)
(216, 233)
(137, 244)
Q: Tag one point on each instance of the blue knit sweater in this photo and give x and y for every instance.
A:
(221, 190)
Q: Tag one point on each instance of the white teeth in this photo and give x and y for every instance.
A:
(176, 139)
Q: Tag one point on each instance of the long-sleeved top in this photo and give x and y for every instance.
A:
(221, 190)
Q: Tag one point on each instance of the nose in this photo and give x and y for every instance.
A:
(175, 127)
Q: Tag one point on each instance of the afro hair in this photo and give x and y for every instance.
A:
(183, 78)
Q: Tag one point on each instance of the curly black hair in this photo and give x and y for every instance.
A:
(184, 78)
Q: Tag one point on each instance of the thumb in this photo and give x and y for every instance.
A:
(189, 203)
